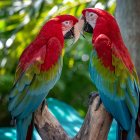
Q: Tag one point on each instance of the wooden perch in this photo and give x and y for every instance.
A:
(48, 127)
(95, 127)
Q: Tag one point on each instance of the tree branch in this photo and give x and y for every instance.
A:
(95, 127)
(48, 127)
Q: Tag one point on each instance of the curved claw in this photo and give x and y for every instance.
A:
(43, 106)
(92, 97)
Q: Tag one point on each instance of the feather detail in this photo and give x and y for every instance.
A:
(117, 83)
(38, 71)
(53, 52)
(30, 129)
(27, 100)
(33, 82)
(22, 126)
(113, 72)
(117, 86)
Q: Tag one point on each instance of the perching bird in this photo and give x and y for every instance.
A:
(112, 71)
(38, 71)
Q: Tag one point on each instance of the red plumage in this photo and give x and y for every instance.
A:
(119, 89)
(38, 70)
(47, 32)
(107, 20)
(42, 40)
(104, 53)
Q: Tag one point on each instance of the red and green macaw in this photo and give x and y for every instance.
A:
(111, 69)
(38, 70)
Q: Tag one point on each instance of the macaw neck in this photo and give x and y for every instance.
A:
(52, 29)
(110, 29)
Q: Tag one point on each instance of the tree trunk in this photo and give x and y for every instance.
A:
(95, 127)
(128, 17)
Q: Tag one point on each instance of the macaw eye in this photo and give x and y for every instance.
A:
(67, 23)
(91, 14)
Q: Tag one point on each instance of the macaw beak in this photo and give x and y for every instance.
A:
(87, 27)
(78, 29)
(69, 34)
(75, 31)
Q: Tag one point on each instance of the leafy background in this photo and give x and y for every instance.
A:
(20, 21)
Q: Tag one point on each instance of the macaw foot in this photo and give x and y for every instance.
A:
(92, 97)
(43, 106)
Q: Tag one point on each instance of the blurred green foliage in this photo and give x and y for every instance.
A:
(20, 21)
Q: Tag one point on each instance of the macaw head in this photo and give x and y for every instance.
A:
(90, 18)
(68, 25)
(97, 21)
(62, 27)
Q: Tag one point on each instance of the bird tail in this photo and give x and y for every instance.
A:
(131, 132)
(138, 124)
(25, 128)
(126, 135)
(121, 134)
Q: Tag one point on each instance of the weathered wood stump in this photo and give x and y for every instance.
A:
(95, 126)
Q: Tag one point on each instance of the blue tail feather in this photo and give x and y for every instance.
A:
(22, 127)
(131, 132)
(120, 133)
(125, 135)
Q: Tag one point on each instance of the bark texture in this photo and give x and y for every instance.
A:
(95, 127)
(128, 17)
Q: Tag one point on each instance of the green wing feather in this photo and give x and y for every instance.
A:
(120, 83)
(128, 83)
(23, 76)
(32, 85)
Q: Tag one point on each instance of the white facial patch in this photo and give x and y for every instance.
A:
(91, 18)
(66, 26)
